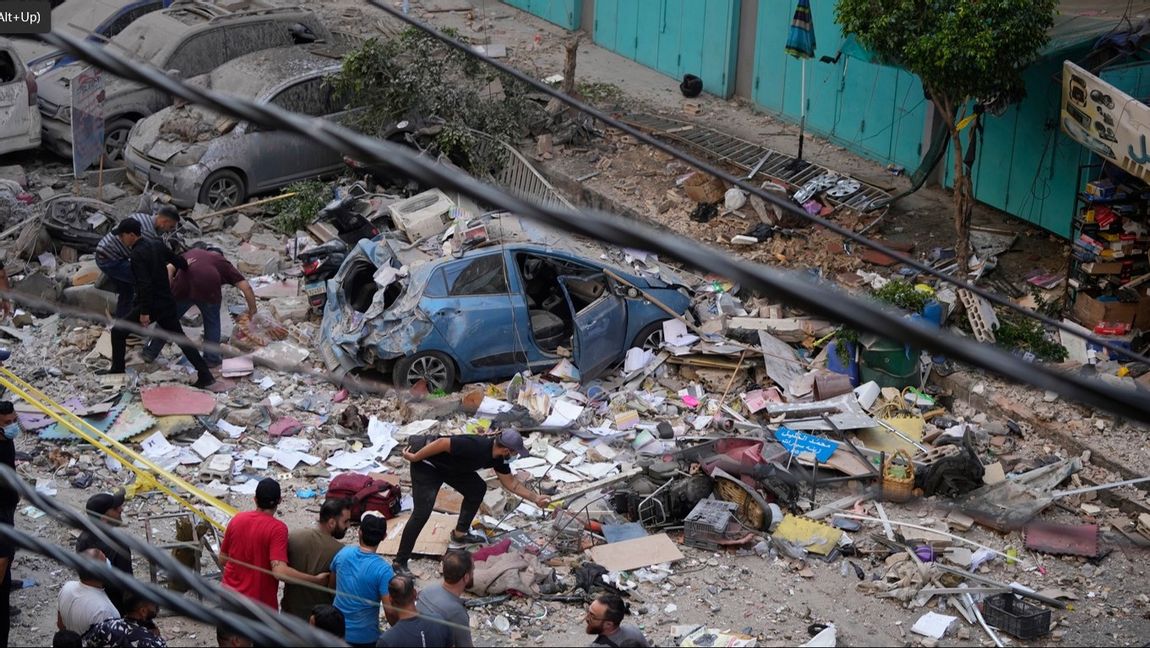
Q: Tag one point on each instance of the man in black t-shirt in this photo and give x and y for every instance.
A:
(455, 461)
(408, 626)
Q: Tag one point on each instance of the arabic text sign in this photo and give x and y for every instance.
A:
(798, 443)
(87, 119)
(1109, 122)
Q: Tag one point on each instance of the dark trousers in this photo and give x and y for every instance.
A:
(425, 484)
(7, 516)
(168, 320)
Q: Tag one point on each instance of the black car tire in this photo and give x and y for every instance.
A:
(116, 138)
(224, 188)
(650, 337)
(434, 367)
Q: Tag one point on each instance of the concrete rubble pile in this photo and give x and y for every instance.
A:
(743, 435)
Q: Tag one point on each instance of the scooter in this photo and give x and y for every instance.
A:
(343, 214)
(320, 263)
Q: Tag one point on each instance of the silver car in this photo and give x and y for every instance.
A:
(197, 155)
(189, 38)
(19, 119)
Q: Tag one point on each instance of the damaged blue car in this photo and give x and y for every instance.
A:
(486, 314)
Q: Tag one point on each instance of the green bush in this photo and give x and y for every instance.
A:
(295, 213)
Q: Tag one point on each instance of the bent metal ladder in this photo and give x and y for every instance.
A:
(150, 474)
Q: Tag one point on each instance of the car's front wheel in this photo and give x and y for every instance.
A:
(650, 338)
(432, 367)
(224, 188)
(116, 138)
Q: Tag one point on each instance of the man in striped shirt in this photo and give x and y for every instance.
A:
(112, 255)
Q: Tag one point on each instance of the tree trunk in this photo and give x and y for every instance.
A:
(962, 206)
(571, 45)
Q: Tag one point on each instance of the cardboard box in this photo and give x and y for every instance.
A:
(1089, 311)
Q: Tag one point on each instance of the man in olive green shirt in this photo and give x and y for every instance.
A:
(310, 551)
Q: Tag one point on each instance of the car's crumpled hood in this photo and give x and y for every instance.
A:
(146, 138)
(385, 330)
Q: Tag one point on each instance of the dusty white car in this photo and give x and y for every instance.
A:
(19, 118)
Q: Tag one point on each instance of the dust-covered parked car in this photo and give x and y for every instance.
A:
(19, 119)
(198, 155)
(185, 40)
(487, 313)
(92, 20)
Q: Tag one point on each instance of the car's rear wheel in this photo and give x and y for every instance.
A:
(116, 138)
(650, 338)
(224, 188)
(432, 367)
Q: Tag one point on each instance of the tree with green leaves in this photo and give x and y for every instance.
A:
(967, 53)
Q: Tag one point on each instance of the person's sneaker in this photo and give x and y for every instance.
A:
(401, 569)
(109, 372)
(218, 386)
(466, 540)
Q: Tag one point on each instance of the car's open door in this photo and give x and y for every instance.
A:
(600, 326)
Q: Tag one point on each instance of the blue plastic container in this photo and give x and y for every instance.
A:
(835, 363)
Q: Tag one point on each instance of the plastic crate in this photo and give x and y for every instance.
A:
(1016, 617)
(707, 524)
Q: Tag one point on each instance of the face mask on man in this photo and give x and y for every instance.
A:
(11, 431)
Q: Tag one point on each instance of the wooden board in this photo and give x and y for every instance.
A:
(433, 540)
(636, 554)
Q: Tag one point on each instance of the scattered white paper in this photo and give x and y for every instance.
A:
(932, 624)
(560, 475)
(493, 406)
(275, 400)
(156, 446)
(267, 383)
(259, 463)
(246, 488)
(382, 435)
(298, 444)
(207, 445)
(675, 334)
(637, 359)
(112, 464)
(598, 470)
(563, 413)
(46, 487)
(554, 455)
(415, 427)
(352, 460)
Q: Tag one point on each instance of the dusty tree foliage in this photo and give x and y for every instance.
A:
(414, 76)
(969, 55)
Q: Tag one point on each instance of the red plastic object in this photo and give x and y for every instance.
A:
(1112, 328)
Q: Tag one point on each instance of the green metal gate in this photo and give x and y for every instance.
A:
(675, 37)
(565, 13)
(874, 110)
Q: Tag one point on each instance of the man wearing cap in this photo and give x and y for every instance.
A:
(108, 508)
(113, 256)
(455, 461)
(258, 539)
(153, 301)
(9, 499)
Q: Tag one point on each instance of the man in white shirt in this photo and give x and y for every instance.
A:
(84, 603)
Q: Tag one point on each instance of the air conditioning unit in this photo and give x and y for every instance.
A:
(424, 215)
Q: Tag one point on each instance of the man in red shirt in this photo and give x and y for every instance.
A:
(257, 539)
(201, 286)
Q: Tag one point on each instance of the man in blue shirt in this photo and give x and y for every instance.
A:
(361, 579)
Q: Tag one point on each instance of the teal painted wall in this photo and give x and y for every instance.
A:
(675, 37)
(873, 110)
(1026, 166)
(565, 13)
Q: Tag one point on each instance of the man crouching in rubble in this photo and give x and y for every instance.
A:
(455, 461)
(153, 300)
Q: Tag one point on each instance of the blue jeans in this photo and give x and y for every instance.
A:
(210, 314)
(120, 272)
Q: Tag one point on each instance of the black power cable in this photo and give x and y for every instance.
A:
(789, 286)
(271, 629)
(768, 196)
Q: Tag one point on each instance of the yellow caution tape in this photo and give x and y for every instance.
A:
(151, 474)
